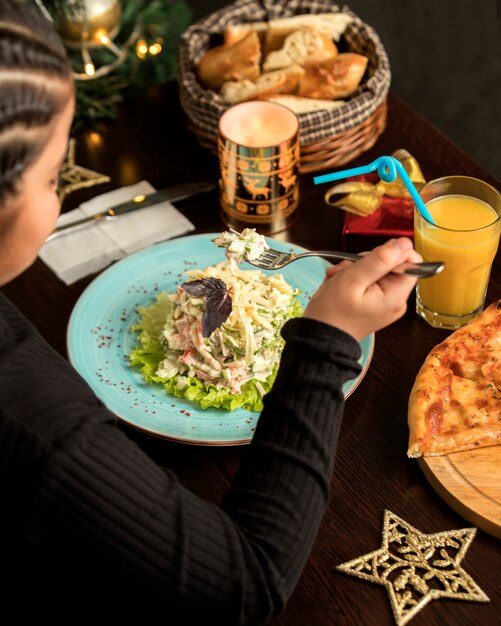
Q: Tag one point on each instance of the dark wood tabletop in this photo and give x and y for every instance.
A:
(149, 140)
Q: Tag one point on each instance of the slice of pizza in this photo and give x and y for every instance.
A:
(455, 403)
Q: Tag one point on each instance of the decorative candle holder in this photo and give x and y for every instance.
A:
(258, 149)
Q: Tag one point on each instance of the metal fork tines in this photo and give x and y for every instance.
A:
(272, 259)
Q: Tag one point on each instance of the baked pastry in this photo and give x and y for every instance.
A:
(337, 78)
(304, 105)
(272, 34)
(332, 24)
(304, 47)
(240, 61)
(235, 32)
(284, 81)
(303, 61)
(455, 402)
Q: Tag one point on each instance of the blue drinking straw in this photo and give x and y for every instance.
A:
(387, 167)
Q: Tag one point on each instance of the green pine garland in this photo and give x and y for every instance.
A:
(98, 98)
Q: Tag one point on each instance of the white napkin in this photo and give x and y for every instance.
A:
(87, 251)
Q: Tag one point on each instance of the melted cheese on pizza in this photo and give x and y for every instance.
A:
(455, 403)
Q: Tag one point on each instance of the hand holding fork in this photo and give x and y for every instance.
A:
(272, 259)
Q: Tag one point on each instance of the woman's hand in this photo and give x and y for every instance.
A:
(364, 296)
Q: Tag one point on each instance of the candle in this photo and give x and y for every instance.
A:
(258, 147)
(258, 124)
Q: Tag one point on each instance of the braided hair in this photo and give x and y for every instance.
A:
(35, 80)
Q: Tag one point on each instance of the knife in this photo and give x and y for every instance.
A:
(173, 194)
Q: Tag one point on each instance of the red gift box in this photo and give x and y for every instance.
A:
(393, 218)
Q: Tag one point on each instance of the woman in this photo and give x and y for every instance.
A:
(91, 526)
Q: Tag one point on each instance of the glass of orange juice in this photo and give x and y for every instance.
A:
(465, 235)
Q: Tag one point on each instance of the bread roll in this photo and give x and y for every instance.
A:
(305, 105)
(284, 81)
(333, 24)
(333, 79)
(239, 61)
(304, 47)
(235, 32)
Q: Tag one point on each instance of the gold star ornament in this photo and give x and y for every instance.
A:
(416, 568)
(73, 177)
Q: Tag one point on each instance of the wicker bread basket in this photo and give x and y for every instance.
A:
(329, 138)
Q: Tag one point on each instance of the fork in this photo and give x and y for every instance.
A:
(272, 259)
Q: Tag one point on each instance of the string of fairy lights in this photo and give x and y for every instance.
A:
(117, 48)
(88, 25)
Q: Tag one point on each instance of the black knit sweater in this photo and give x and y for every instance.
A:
(92, 527)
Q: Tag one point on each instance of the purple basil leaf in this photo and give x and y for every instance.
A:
(218, 304)
(203, 287)
(217, 310)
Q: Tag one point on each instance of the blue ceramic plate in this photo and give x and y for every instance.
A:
(100, 339)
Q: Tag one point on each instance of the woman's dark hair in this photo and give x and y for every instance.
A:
(34, 79)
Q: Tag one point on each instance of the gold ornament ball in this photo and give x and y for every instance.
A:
(85, 22)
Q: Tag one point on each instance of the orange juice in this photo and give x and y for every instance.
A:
(465, 236)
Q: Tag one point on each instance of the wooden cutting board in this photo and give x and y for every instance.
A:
(470, 482)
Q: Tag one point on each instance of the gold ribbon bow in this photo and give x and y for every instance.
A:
(363, 198)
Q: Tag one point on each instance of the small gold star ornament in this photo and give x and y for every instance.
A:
(73, 177)
(416, 568)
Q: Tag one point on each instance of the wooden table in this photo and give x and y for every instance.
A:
(149, 140)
